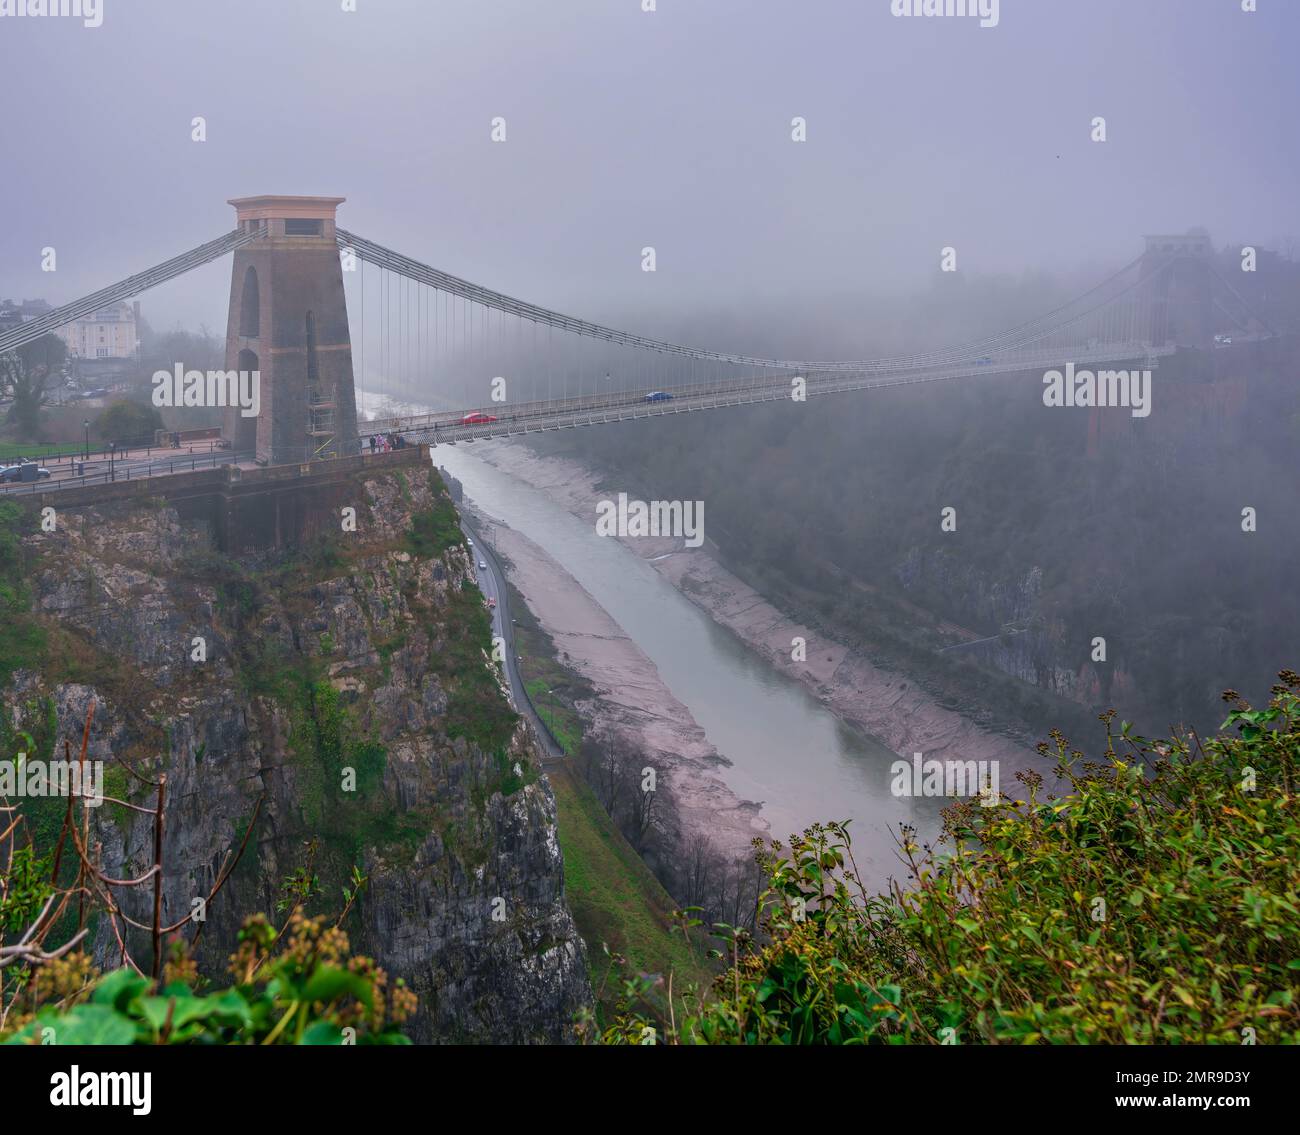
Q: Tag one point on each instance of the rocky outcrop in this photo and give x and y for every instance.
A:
(345, 687)
(1035, 645)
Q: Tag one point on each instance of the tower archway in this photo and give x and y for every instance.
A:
(244, 441)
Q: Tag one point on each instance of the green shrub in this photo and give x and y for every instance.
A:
(22, 638)
(127, 420)
(435, 530)
(1154, 901)
(300, 985)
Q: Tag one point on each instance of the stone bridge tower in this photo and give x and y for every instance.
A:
(289, 321)
(1178, 293)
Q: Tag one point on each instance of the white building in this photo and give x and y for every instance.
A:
(109, 333)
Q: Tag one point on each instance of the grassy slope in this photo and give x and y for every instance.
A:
(12, 450)
(614, 898)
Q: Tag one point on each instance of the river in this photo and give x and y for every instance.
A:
(787, 750)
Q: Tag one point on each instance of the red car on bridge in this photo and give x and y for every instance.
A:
(476, 419)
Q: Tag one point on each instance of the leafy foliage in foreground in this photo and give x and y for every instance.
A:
(299, 988)
(1154, 901)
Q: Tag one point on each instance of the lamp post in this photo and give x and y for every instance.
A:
(550, 715)
(86, 427)
(112, 451)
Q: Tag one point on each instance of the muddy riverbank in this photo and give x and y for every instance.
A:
(631, 698)
(884, 704)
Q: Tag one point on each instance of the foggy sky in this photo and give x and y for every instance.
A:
(628, 129)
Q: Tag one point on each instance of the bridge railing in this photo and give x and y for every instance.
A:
(509, 417)
(110, 472)
(70, 453)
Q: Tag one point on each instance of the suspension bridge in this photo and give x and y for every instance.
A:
(477, 363)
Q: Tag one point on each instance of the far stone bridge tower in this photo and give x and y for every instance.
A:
(1178, 300)
(289, 321)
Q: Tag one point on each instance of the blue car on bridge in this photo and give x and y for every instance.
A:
(658, 396)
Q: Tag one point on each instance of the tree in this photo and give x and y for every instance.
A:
(643, 804)
(609, 782)
(698, 860)
(127, 421)
(49, 353)
(24, 376)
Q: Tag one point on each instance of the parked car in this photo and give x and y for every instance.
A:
(658, 396)
(476, 419)
(14, 473)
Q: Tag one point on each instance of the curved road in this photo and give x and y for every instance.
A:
(491, 581)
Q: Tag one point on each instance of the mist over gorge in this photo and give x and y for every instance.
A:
(625, 522)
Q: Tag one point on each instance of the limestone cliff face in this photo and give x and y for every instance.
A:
(1042, 650)
(362, 657)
